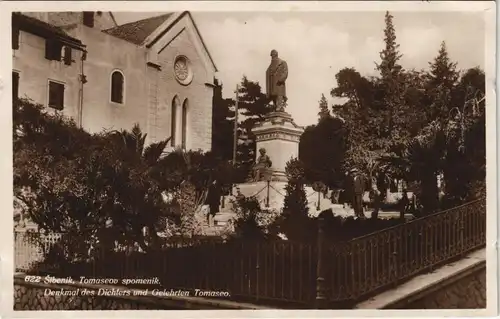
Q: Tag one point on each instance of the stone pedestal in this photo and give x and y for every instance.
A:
(280, 136)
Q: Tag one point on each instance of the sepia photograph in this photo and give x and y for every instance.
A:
(252, 157)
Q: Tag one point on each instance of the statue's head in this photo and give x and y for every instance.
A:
(274, 54)
(262, 151)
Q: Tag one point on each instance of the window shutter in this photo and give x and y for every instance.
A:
(88, 19)
(15, 37)
(67, 55)
(15, 86)
(56, 95)
(53, 49)
(61, 97)
(48, 49)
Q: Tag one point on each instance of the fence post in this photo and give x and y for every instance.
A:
(321, 300)
(268, 192)
(319, 201)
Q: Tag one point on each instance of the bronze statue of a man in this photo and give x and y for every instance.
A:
(263, 162)
(276, 75)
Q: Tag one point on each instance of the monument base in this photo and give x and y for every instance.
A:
(279, 135)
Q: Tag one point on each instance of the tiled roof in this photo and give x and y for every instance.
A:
(136, 32)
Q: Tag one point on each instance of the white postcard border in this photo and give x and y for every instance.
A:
(6, 239)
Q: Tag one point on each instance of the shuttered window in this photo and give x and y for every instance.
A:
(53, 49)
(15, 86)
(67, 56)
(88, 19)
(56, 95)
(15, 37)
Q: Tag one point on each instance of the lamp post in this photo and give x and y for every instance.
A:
(235, 128)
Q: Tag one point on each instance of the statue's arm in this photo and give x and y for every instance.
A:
(283, 72)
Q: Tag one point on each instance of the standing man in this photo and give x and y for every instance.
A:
(276, 75)
(213, 200)
(358, 190)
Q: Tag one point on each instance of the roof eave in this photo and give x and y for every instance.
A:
(155, 36)
(202, 41)
(42, 29)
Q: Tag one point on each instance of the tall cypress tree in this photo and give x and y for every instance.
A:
(222, 123)
(389, 67)
(440, 83)
(323, 108)
(390, 75)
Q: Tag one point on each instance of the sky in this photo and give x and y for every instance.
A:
(316, 45)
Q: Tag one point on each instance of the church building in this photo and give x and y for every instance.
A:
(155, 72)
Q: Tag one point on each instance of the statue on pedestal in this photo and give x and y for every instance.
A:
(276, 75)
(263, 163)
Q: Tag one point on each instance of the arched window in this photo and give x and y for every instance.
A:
(117, 87)
(173, 121)
(185, 109)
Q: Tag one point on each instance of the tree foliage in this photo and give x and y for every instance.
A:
(295, 222)
(323, 108)
(104, 190)
(252, 107)
(415, 124)
(322, 150)
(222, 123)
(98, 194)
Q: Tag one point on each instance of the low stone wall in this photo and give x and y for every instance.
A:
(467, 293)
(34, 298)
(457, 285)
(47, 296)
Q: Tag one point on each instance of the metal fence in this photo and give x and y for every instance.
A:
(301, 273)
(257, 270)
(371, 263)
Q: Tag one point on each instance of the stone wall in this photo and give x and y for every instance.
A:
(467, 293)
(107, 54)
(179, 41)
(460, 284)
(34, 298)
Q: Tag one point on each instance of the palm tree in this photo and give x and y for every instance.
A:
(143, 164)
(133, 143)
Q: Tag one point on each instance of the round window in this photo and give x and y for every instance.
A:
(182, 70)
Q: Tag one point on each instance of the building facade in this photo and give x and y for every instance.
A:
(155, 72)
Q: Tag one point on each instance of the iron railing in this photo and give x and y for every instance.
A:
(368, 264)
(289, 272)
